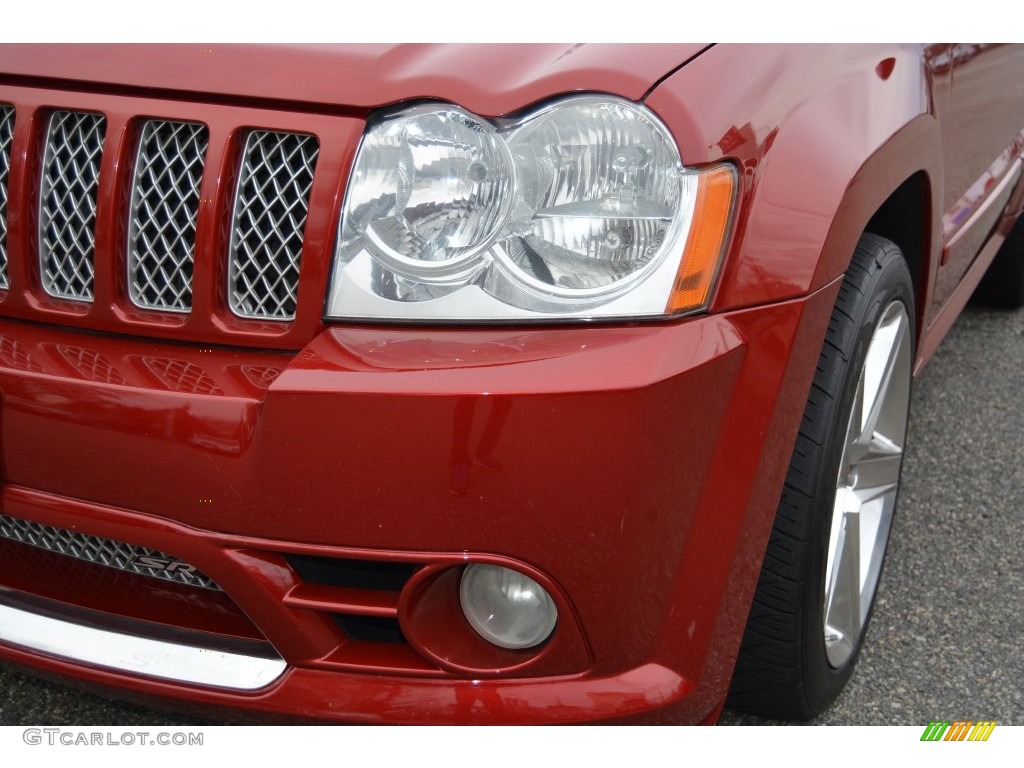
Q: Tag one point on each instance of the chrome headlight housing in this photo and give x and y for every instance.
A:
(581, 209)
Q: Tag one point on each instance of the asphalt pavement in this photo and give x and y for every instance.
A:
(946, 639)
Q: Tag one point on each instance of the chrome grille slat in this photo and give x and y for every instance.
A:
(67, 203)
(165, 204)
(98, 550)
(6, 139)
(271, 205)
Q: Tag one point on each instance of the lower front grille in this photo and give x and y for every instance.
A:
(96, 549)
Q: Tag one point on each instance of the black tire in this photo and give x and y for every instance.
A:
(1003, 284)
(784, 668)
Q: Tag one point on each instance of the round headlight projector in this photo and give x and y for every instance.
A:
(506, 607)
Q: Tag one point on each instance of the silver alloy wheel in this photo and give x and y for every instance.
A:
(869, 474)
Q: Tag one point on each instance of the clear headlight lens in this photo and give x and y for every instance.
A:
(432, 189)
(582, 209)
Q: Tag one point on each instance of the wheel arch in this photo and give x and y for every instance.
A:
(830, 143)
(905, 218)
(896, 194)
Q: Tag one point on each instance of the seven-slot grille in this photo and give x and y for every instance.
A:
(102, 551)
(254, 239)
(6, 138)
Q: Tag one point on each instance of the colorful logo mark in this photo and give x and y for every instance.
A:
(961, 730)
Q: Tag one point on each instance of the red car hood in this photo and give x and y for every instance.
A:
(488, 79)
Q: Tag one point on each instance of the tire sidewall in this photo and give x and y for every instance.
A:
(891, 282)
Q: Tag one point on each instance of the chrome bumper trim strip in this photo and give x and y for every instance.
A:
(136, 655)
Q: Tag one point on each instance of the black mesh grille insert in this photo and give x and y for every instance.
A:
(96, 549)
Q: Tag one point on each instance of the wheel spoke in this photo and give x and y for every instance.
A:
(866, 487)
(843, 610)
(880, 414)
(878, 371)
(877, 474)
(875, 519)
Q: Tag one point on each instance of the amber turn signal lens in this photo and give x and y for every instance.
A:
(708, 233)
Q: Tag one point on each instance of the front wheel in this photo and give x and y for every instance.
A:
(821, 570)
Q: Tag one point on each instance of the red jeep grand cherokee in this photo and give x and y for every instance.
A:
(477, 383)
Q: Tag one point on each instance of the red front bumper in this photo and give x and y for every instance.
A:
(637, 468)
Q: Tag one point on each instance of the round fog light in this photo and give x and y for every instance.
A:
(507, 607)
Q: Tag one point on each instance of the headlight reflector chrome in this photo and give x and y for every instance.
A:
(431, 189)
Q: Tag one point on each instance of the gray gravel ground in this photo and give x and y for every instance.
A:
(945, 642)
